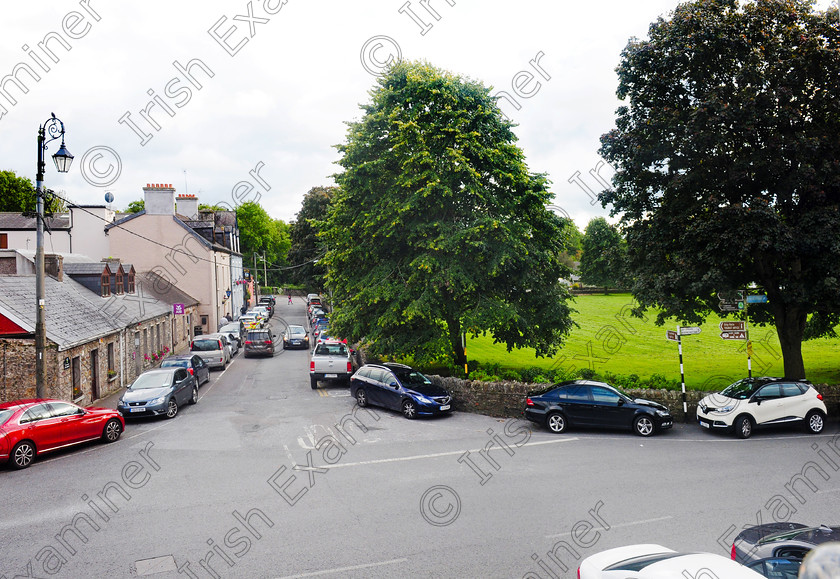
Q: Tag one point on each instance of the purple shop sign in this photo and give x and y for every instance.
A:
(178, 309)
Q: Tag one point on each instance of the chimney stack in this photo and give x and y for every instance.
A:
(187, 205)
(159, 198)
(54, 266)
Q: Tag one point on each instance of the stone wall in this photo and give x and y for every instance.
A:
(507, 399)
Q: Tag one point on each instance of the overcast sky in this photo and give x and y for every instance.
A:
(267, 86)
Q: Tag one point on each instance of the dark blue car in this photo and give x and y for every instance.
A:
(399, 387)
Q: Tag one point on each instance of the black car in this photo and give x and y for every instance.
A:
(159, 391)
(399, 387)
(194, 364)
(588, 403)
(780, 540)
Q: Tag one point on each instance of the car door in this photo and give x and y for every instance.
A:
(76, 424)
(796, 402)
(391, 391)
(375, 386)
(44, 429)
(200, 369)
(608, 410)
(577, 404)
(182, 386)
(767, 404)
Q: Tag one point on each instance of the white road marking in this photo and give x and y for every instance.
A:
(619, 526)
(435, 455)
(343, 569)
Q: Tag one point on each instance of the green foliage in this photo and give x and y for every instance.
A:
(136, 206)
(603, 256)
(17, 195)
(438, 227)
(728, 163)
(305, 245)
(261, 235)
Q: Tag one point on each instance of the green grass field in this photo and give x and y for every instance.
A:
(610, 340)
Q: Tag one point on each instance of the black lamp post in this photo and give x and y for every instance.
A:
(54, 128)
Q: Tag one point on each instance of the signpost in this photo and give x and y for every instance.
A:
(733, 326)
(688, 330)
(732, 302)
(757, 299)
(672, 335)
(676, 336)
(734, 335)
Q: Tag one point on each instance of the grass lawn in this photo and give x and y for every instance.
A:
(610, 340)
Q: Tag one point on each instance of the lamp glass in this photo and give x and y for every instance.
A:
(63, 159)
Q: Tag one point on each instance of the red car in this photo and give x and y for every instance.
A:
(31, 427)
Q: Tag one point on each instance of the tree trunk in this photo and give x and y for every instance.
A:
(790, 326)
(459, 357)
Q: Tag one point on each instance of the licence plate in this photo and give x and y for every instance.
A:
(445, 407)
(704, 424)
(136, 409)
(330, 375)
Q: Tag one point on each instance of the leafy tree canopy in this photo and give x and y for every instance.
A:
(17, 195)
(136, 206)
(303, 232)
(603, 256)
(728, 163)
(260, 235)
(438, 227)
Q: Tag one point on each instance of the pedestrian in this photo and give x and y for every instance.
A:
(290, 298)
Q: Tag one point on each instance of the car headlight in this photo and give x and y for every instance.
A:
(158, 400)
(423, 399)
(662, 413)
(726, 409)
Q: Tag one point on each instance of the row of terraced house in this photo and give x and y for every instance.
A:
(121, 291)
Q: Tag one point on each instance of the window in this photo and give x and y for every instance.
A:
(4, 241)
(119, 281)
(130, 282)
(38, 412)
(105, 283)
(600, 394)
(770, 391)
(791, 390)
(180, 375)
(65, 409)
(576, 393)
(111, 357)
(77, 377)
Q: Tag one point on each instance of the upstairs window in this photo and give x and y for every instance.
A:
(130, 283)
(119, 282)
(105, 283)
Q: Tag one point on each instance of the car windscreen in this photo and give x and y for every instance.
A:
(152, 380)
(740, 390)
(297, 331)
(258, 336)
(230, 329)
(331, 350)
(178, 363)
(5, 414)
(412, 378)
(205, 345)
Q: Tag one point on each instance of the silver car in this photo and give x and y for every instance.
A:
(212, 350)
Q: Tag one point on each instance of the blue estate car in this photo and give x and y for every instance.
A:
(399, 387)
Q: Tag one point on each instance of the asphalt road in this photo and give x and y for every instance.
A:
(267, 478)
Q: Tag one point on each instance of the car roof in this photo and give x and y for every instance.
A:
(180, 357)
(813, 535)
(167, 370)
(206, 337)
(25, 403)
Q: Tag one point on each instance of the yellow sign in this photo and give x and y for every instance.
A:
(749, 349)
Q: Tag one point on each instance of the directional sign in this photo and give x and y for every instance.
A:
(758, 299)
(732, 301)
(671, 335)
(689, 330)
(730, 326)
(734, 335)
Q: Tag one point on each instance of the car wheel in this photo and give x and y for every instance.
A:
(361, 397)
(23, 454)
(815, 422)
(313, 382)
(743, 427)
(171, 408)
(409, 409)
(112, 430)
(556, 422)
(643, 426)
(194, 397)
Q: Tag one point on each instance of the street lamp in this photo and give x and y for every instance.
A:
(54, 128)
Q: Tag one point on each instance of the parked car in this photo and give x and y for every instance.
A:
(265, 311)
(230, 343)
(212, 349)
(780, 540)
(251, 321)
(399, 387)
(595, 404)
(194, 364)
(30, 428)
(235, 331)
(753, 402)
(259, 342)
(777, 567)
(331, 362)
(311, 297)
(267, 302)
(295, 337)
(658, 562)
(159, 391)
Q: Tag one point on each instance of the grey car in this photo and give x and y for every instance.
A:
(259, 343)
(159, 391)
(194, 364)
(212, 349)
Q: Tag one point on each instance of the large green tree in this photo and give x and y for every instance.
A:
(727, 163)
(264, 237)
(17, 195)
(306, 248)
(603, 255)
(439, 228)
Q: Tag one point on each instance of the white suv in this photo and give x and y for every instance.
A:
(753, 402)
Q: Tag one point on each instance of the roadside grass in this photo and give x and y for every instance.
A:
(610, 340)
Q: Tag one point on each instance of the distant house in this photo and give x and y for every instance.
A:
(80, 230)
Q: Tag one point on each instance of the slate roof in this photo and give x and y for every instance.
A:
(16, 221)
(92, 268)
(164, 291)
(75, 315)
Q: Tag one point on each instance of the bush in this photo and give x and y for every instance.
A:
(587, 373)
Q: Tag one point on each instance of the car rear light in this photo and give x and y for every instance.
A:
(312, 366)
(349, 368)
(733, 553)
(248, 342)
(578, 572)
(192, 372)
(819, 397)
(267, 342)
(529, 402)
